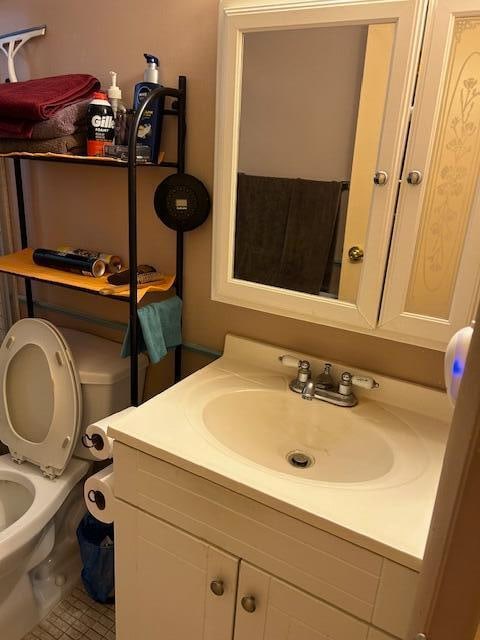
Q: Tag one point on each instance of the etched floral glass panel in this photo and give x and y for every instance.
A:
(452, 178)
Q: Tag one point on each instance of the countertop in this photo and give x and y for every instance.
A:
(389, 516)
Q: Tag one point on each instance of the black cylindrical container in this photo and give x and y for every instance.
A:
(69, 262)
(112, 263)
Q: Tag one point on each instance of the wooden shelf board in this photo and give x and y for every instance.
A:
(21, 264)
(74, 159)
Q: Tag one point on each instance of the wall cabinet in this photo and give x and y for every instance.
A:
(199, 562)
(414, 199)
(432, 281)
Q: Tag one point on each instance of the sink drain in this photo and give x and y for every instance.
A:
(300, 460)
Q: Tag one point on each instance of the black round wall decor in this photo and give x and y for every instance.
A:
(182, 202)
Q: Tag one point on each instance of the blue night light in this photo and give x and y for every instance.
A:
(457, 367)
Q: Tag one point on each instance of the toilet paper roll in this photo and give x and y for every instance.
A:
(97, 441)
(98, 494)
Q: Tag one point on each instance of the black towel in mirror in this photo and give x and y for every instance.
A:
(262, 211)
(284, 231)
(310, 230)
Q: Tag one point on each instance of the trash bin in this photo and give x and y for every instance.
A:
(97, 552)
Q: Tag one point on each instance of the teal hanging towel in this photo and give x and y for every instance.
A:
(160, 329)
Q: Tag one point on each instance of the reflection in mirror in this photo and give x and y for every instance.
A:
(301, 125)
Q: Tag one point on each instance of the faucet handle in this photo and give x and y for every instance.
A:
(345, 384)
(365, 381)
(303, 374)
(290, 361)
(347, 381)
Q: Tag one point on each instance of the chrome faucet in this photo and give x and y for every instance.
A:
(304, 373)
(323, 388)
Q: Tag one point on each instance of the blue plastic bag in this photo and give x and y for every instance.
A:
(97, 552)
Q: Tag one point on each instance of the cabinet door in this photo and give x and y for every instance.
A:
(271, 145)
(270, 609)
(432, 282)
(164, 582)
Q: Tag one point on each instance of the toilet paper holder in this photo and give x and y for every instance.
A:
(97, 497)
(93, 442)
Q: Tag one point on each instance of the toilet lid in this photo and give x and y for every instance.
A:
(40, 411)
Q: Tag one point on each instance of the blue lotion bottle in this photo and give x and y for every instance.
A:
(150, 128)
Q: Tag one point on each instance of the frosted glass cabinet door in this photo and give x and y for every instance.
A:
(270, 609)
(164, 586)
(434, 271)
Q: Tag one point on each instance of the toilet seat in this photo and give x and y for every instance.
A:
(40, 407)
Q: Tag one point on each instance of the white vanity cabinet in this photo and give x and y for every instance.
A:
(198, 561)
(178, 586)
(163, 588)
(282, 612)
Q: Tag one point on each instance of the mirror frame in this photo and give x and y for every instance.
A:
(237, 17)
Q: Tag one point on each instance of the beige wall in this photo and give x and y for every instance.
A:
(87, 206)
(300, 102)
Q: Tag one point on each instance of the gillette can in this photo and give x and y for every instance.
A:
(100, 125)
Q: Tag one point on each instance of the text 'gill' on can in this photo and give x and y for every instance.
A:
(100, 125)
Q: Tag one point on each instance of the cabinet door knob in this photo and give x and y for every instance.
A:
(249, 604)
(355, 254)
(414, 177)
(380, 178)
(217, 587)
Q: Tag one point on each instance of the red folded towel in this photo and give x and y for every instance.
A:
(23, 103)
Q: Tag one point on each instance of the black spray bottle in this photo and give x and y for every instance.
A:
(150, 128)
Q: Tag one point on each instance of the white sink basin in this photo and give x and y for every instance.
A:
(266, 426)
(262, 423)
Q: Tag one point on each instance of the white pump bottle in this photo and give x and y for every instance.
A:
(115, 95)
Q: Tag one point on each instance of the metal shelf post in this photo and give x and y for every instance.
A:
(23, 229)
(180, 95)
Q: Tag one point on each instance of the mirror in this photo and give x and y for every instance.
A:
(309, 132)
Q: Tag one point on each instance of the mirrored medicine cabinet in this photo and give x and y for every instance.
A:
(346, 164)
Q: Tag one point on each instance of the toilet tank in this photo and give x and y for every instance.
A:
(104, 376)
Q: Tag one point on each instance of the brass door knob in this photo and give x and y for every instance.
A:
(249, 604)
(355, 254)
(217, 587)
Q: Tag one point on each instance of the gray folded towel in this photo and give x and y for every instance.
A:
(64, 144)
(65, 122)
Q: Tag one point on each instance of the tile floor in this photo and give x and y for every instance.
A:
(77, 617)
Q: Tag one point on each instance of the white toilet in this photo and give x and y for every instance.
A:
(53, 384)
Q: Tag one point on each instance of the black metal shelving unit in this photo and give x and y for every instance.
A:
(177, 110)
